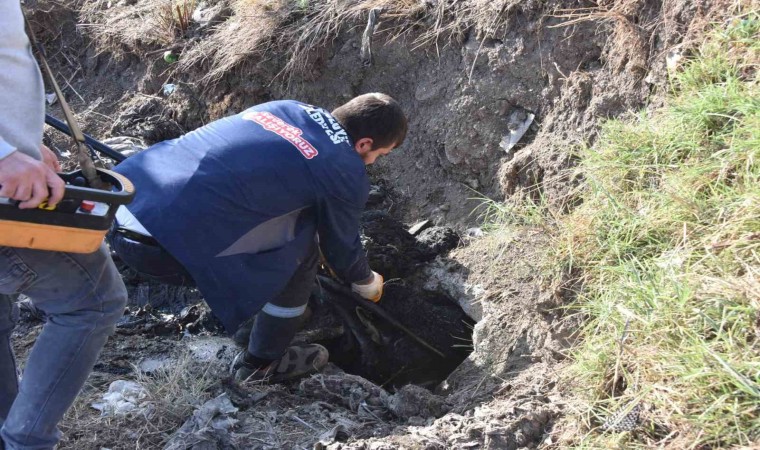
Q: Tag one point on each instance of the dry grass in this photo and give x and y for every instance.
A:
(627, 48)
(260, 31)
(173, 394)
(422, 24)
(136, 28)
(174, 17)
(246, 36)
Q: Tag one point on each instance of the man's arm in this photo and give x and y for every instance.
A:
(22, 101)
(27, 169)
(339, 239)
(341, 244)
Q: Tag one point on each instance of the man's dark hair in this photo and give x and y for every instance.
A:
(376, 116)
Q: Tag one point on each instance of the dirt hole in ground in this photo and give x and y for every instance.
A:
(417, 334)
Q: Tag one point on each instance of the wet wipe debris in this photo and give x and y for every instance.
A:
(208, 428)
(124, 397)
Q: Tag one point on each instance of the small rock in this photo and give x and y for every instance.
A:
(438, 239)
(414, 401)
(417, 421)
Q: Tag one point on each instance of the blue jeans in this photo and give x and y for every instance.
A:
(83, 296)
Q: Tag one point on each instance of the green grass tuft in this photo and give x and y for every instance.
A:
(668, 244)
(494, 215)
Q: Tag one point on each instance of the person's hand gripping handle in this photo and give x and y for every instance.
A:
(30, 181)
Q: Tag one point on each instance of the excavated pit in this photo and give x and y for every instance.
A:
(373, 347)
(381, 344)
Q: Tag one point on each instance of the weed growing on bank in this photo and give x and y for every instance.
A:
(493, 215)
(174, 17)
(668, 244)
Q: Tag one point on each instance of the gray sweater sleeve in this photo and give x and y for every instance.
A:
(22, 104)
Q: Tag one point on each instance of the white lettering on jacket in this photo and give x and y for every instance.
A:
(332, 128)
(286, 131)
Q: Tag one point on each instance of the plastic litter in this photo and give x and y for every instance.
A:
(210, 424)
(169, 88)
(51, 98)
(673, 59)
(125, 145)
(519, 122)
(332, 435)
(170, 56)
(627, 418)
(123, 397)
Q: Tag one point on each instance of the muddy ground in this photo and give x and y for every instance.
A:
(569, 64)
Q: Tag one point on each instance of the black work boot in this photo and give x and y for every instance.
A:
(297, 362)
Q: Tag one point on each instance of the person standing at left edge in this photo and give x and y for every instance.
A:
(82, 294)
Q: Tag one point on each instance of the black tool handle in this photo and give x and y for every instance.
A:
(340, 289)
(122, 193)
(89, 140)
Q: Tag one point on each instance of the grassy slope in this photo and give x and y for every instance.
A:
(668, 242)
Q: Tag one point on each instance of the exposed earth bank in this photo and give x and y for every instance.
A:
(498, 95)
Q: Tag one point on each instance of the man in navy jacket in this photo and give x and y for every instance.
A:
(242, 206)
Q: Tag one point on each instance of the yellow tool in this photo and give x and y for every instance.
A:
(77, 224)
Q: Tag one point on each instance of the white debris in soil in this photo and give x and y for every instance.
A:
(415, 229)
(443, 275)
(212, 349)
(217, 351)
(124, 397)
(126, 145)
(209, 426)
(519, 122)
(150, 365)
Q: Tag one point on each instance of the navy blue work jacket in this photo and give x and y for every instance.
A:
(238, 202)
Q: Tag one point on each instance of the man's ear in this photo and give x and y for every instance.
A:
(363, 146)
